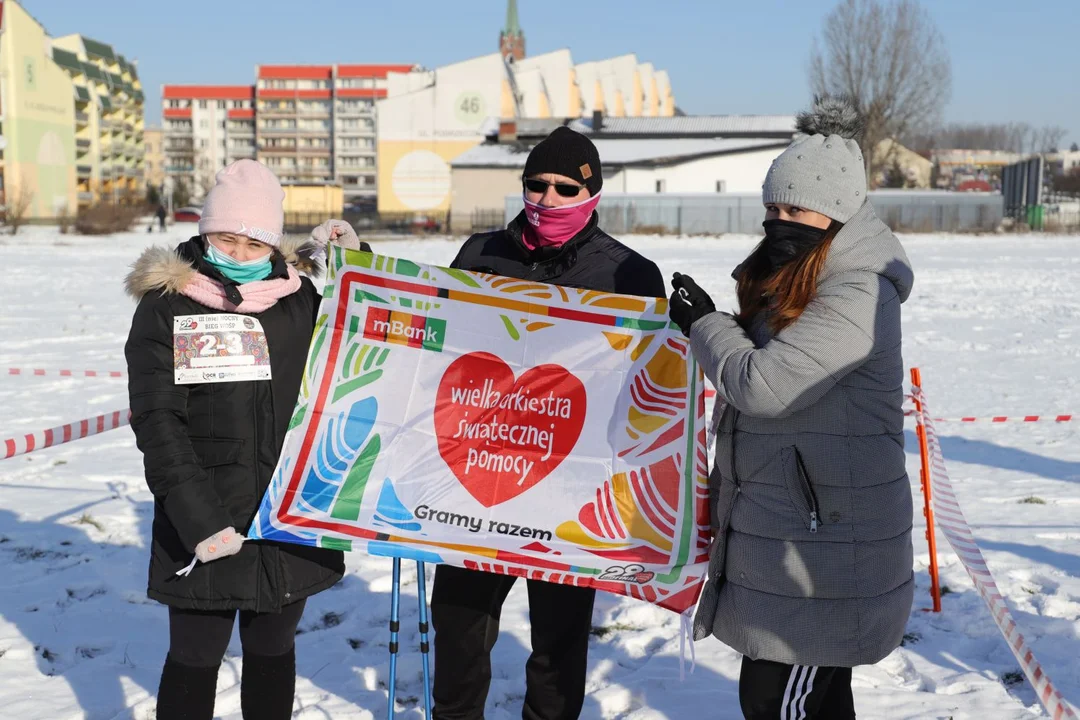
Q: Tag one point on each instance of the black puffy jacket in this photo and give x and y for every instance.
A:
(209, 450)
(592, 260)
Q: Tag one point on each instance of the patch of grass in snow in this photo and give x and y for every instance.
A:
(84, 594)
(1029, 591)
(1012, 678)
(329, 620)
(47, 654)
(910, 639)
(59, 462)
(88, 652)
(30, 554)
(88, 519)
(3, 652)
(1032, 500)
(602, 631)
(945, 590)
(356, 643)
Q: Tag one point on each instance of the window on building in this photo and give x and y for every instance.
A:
(721, 186)
(661, 186)
(221, 104)
(204, 124)
(202, 104)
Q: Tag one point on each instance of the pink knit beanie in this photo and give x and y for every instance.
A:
(246, 200)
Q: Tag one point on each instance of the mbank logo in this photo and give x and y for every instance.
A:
(404, 329)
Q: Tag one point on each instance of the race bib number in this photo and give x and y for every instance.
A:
(219, 348)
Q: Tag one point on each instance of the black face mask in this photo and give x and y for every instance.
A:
(785, 241)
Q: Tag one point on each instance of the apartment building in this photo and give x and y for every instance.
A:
(154, 159)
(109, 124)
(206, 127)
(316, 123)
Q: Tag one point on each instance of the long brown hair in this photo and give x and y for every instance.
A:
(784, 293)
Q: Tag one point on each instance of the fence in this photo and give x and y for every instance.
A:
(708, 214)
(371, 222)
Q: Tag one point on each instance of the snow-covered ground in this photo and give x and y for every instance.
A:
(994, 323)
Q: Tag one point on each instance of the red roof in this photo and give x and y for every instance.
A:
(295, 72)
(371, 71)
(176, 113)
(360, 93)
(208, 92)
(242, 114)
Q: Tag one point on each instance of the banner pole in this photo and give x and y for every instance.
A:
(421, 594)
(928, 511)
(395, 597)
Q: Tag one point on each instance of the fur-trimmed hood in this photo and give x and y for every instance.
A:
(167, 271)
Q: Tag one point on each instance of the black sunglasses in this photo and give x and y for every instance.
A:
(565, 189)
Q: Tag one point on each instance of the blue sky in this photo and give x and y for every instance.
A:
(1012, 61)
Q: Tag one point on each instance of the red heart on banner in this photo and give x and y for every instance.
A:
(502, 436)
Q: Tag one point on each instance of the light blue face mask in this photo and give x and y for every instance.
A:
(238, 272)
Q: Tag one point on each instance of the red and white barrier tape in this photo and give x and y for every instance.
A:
(1000, 419)
(950, 518)
(67, 373)
(20, 445)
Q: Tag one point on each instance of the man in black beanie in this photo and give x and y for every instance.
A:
(556, 240)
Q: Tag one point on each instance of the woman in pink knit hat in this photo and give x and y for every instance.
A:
(215, 359)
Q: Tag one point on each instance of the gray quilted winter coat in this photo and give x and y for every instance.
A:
(812, 562)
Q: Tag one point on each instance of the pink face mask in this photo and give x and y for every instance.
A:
(554, 226)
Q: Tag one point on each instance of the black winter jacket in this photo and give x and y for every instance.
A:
(592, 260)
(209, 450)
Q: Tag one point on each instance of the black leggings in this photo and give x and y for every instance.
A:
(770, 690)
(199, 638)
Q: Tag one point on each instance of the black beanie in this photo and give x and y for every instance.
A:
(568, 153)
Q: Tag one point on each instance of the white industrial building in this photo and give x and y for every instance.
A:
(680, 155)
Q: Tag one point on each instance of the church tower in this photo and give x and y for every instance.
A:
(512, 39)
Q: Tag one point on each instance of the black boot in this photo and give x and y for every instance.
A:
(267, 686)
(186, 692)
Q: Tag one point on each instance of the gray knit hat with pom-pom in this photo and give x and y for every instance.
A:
(822, 170)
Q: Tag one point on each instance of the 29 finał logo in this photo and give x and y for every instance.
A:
(403, 328)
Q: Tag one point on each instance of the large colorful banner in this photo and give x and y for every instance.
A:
(497, 424)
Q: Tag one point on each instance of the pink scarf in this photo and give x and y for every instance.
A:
(554, 227)
(259, 295)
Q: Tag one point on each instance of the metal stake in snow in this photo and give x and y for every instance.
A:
(395, 626)
(950, 518)
(20, 445)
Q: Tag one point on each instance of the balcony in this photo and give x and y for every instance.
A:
(263, 130)
(84, 170)
(354, 111)
(82, 118)
(174, 169)
(245, 129)
(312, 150)
(82, 143)
(85, 197)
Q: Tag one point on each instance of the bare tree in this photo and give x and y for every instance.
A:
(890, 59)
(18, 207)
(1047, 139)
(1006, 137)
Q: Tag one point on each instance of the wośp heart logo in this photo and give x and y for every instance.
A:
(499, 435)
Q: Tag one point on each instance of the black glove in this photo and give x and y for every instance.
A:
(688, 303)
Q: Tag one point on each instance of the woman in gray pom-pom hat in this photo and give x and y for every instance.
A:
(810, 569)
